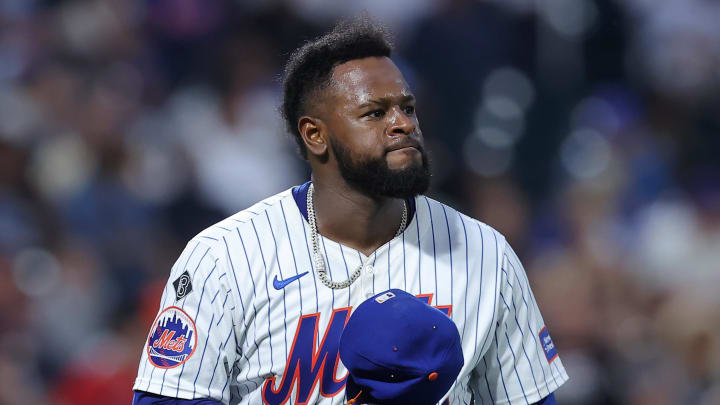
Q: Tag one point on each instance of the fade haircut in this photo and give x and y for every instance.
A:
(309, 68)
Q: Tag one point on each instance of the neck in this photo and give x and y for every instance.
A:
(353, 218)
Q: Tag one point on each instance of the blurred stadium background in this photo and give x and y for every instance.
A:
(587, 131)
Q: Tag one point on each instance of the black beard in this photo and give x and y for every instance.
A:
(374, 178)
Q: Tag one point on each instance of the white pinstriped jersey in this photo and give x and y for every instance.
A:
(224, 331)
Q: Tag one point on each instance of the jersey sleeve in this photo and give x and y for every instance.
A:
(190, 349)
(521, 365)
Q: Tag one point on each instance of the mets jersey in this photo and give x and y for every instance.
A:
(243, 318)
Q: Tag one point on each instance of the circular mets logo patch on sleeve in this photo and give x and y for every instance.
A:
(172, 339)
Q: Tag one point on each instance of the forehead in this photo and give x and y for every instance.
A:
(360, 80)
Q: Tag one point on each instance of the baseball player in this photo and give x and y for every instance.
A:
(255, 305)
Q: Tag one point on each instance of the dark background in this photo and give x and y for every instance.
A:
(586, 131)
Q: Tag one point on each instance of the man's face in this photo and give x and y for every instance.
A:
(374, 131)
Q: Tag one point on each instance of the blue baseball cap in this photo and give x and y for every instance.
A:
(399, 350)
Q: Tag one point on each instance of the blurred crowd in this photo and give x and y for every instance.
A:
(587, 131)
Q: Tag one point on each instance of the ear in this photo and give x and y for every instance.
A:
(313, 133)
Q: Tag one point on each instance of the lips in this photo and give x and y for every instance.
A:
(405, 146)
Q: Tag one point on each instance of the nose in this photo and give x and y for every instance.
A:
(401, 123)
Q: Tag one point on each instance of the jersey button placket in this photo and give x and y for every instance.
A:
(367, 280)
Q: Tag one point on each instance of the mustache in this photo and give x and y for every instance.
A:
(405, 143)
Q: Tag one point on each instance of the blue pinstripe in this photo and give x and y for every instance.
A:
(517, 322)
(556, 368)
(497, 324)
(152, 371)
(467, 277)
(513, 351)
(312, 266)
(217, 361)
(417, 227)
(515, 368)
(477, 321)
(278, 259)
(359, 257)
(451, 262)
(227, 379)
(267, 278)
(329, 270)
(388, 263)
(247, 259)
(373, 273)
(203, 354)
(502, 378)
(541, 353)
(404, 268)
(162, 305)
(207, 336)
(182, 306)
(432, 227)
(342, 253)
(227, 294)
(242, 305)
(292, 250)
(553, 363)
(215, 296)
(496, 289)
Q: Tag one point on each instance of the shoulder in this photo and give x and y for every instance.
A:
(219, 235)
(458, 223)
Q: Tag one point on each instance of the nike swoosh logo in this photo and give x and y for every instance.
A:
(280, 284)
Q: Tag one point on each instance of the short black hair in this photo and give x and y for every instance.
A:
(309, 67)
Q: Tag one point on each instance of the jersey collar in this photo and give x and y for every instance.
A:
(300, 195)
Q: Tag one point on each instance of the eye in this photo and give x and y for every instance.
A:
(375, 114)
(409, 110)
